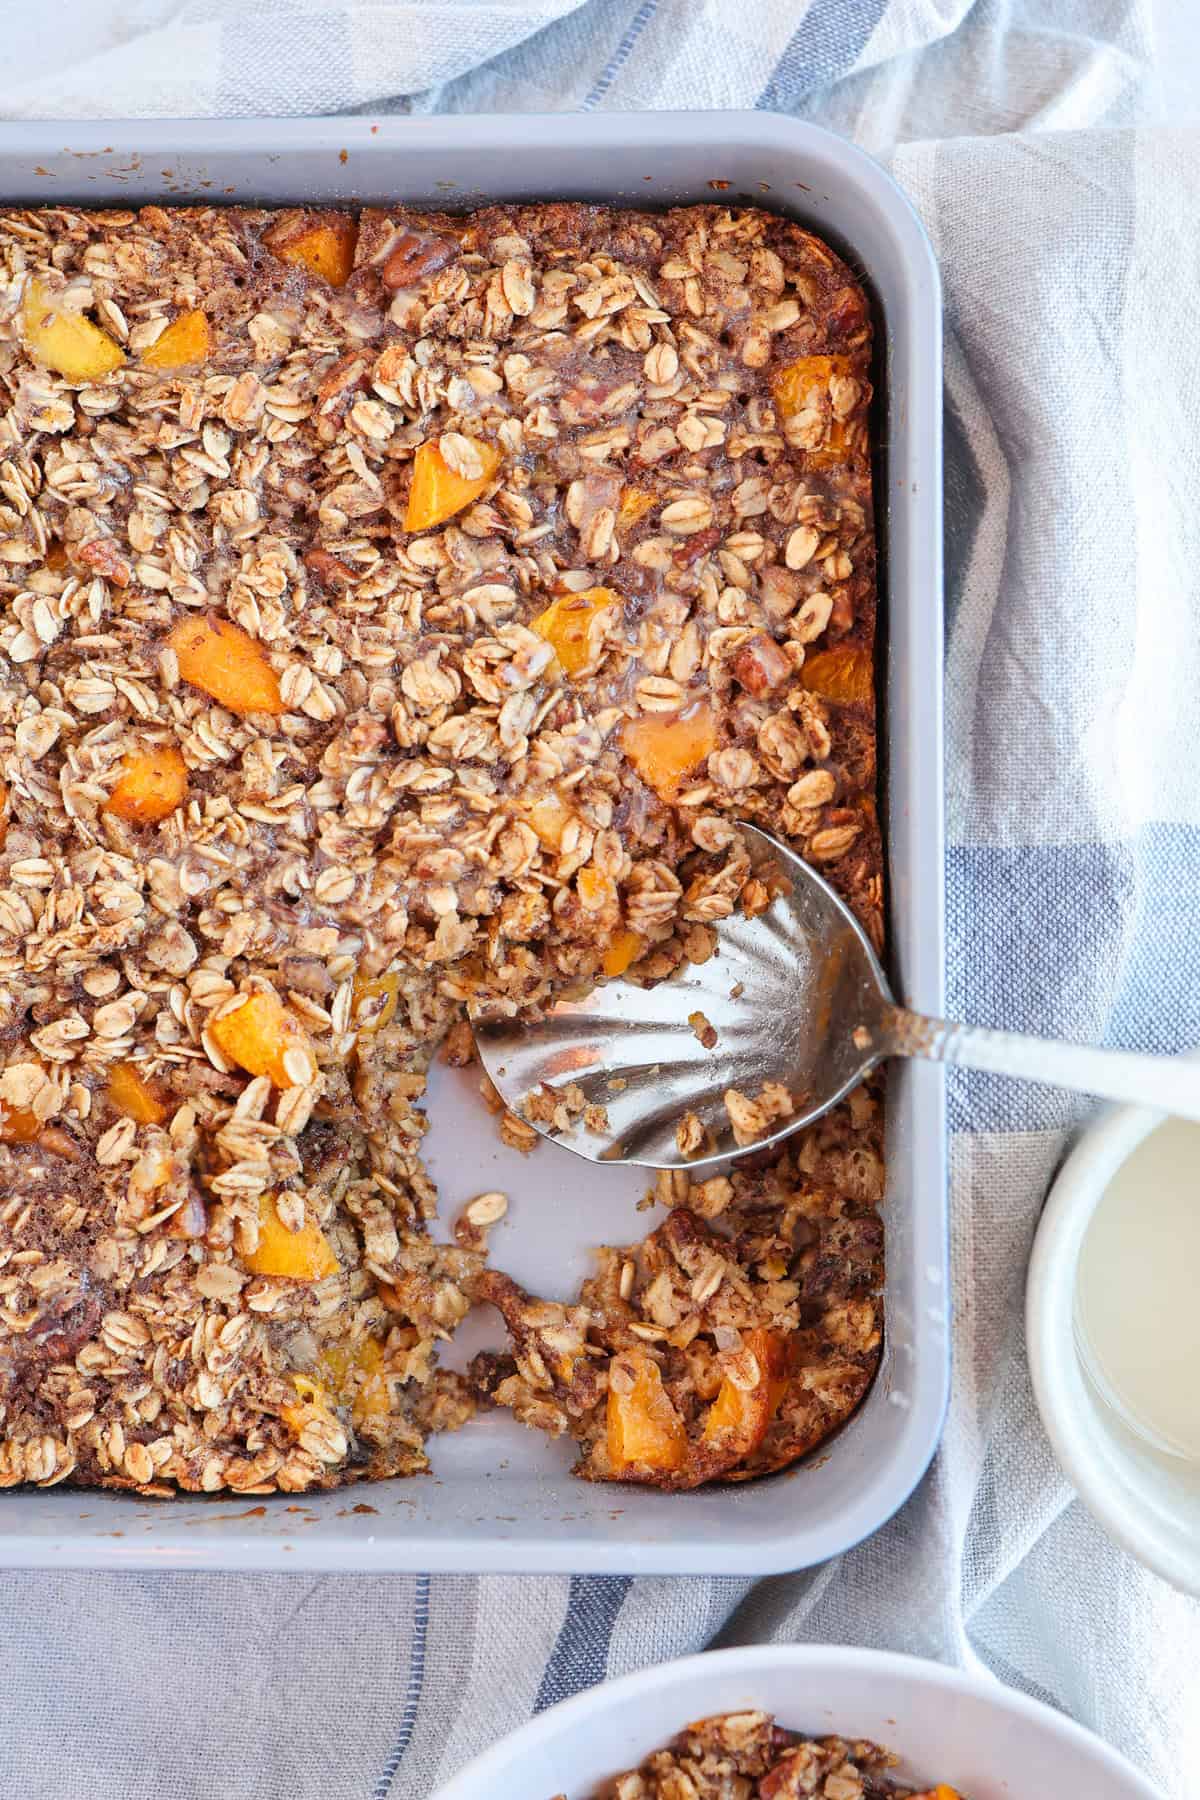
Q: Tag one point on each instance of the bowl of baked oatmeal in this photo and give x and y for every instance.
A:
(785, 1721)
(401, 602)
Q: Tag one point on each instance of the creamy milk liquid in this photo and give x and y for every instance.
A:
(1137, 1309)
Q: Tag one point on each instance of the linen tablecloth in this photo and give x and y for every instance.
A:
(1036, 138)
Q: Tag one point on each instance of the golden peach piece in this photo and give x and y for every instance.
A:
(666, 748)
(311, 1402)
(151, 784)
(304, 1255)
(18, 1125)
(438, 491)
(842, 673)
(262, 1037)
(800, 386)
(595, 890)
(129, 1093)
(550, 818)
(635, 503)
(375, 1001)
(643, 1429)
(322, 243)
(801, 383)
(65, 341)
(187, 340)
(227, 663)
(747, 1412)
(566, 625)
(624, 948)
(345, 1376)
(357, 1377)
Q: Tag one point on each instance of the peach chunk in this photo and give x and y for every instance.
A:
(747, 1412)
(67, 341)
(799, 387)
(643, 1428)
(843, 673)
(665, 748)
(356, 1375)
(801, 383)
(264, 1038)
(595, 889)
(18, 1125)
(375, 1001)
(322, 243)
(624, 948)
(635, 504)
(151, 784)
(227, 663)
(439, 491)
(304, 1255)
(130, 1094)
(567, 625)
(311, 1401)
(186, 340)
(550, 818)
(345, 1375)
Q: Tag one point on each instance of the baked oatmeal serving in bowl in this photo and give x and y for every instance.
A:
(399, 608)
(797, 1722)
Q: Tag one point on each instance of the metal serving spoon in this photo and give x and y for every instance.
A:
(795, 996)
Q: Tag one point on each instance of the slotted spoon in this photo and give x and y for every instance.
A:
(797, 997)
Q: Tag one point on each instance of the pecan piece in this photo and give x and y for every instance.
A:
(101, 555)
(329, 569)
(760, 665)
(413, 256)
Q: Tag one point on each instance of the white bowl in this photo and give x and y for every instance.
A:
(1148, 1503)
(986, 1740)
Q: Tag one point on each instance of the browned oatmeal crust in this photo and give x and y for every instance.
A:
(398, 788)
(747, 1756)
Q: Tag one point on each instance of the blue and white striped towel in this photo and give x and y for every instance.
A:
(1030, 135)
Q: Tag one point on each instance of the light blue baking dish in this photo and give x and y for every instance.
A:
(501, 1499)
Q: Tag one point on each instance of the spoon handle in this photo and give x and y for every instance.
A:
(1166, 1083)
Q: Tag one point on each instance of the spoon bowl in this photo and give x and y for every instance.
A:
(736, 1053)
(777, 992)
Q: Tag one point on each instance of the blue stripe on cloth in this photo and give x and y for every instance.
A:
(580, 1656)
(412, 1692)
(621, 54)
(825, 46)
(1095, 942)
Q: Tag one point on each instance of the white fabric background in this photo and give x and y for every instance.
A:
(1045, 144)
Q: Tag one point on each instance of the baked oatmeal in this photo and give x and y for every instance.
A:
(747, 1756)
(397, 609)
